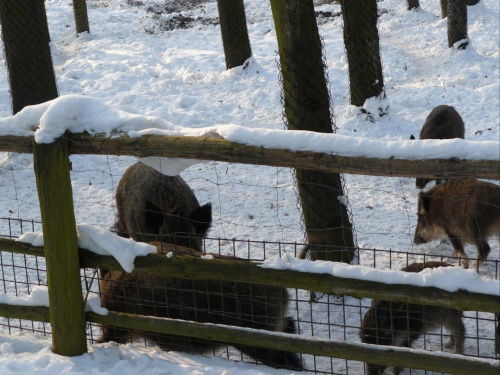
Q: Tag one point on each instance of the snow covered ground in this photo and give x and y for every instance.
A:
(135, 61)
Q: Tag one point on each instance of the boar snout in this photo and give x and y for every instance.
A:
(418, 239)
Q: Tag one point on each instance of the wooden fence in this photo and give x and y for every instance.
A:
(64, 260)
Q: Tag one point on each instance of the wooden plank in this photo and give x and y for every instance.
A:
(221, 150)
(192, 267)
(401, 357)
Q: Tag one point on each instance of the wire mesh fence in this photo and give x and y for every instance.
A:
(328, 316)
(249, 204)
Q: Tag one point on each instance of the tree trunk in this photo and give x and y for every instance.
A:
(444, 8)
(412, 4)
(307, 107)
(233, 26)
(29, 63)
(81, 16)
(457, 24)
(363, 51)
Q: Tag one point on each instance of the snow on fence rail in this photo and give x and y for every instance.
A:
(217, 149)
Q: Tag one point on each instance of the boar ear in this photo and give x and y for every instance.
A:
(412, 137)
(201, 218)
(423, 203)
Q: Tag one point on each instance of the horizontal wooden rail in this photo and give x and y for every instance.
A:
(35, 313)
(192, 267)
(221, 150)
(401, 357)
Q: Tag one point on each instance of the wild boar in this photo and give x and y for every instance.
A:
(400, 324)
(464, 210)
(205, 301)
(154, 207)
(443, 122)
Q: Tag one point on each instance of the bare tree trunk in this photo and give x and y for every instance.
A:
(412, 4)
(307, 107)
(233, 26)
(81, 16)
(457, 24)
(29, 64)
(363, 51)
(444, 8)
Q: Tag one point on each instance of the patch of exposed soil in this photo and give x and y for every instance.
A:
(175, 14)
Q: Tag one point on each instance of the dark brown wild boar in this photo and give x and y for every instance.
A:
(443, 122)
(205, 301)
(400, 324)
(464, 210)
(154, 207)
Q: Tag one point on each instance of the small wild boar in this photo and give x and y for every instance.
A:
(443, 122)
(154, 207)
(400, 324)
(464, 210)
(205, 301)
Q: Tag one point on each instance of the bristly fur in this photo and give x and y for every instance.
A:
(154, 207)
(464, 210)
(205, 301)
(444, 122)
(400, 324)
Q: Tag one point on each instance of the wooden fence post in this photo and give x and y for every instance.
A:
(67, 317)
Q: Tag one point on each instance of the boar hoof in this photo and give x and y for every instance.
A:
(464, 262)
(450, 344)
(474, 265)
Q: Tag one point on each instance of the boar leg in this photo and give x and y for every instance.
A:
(116, 334)
(272, 357)
(459, 250)
(497, 334)
(455, 325)
(483, 249)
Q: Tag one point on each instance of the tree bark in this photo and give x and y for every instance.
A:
(29, 63)
(457, 24)
(307, 107)
(233, 26)
(444, 8)
(412, 4)
(81, 16)
(363, 51)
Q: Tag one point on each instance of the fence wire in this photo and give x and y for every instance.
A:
(329, 316)
(333, 317)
